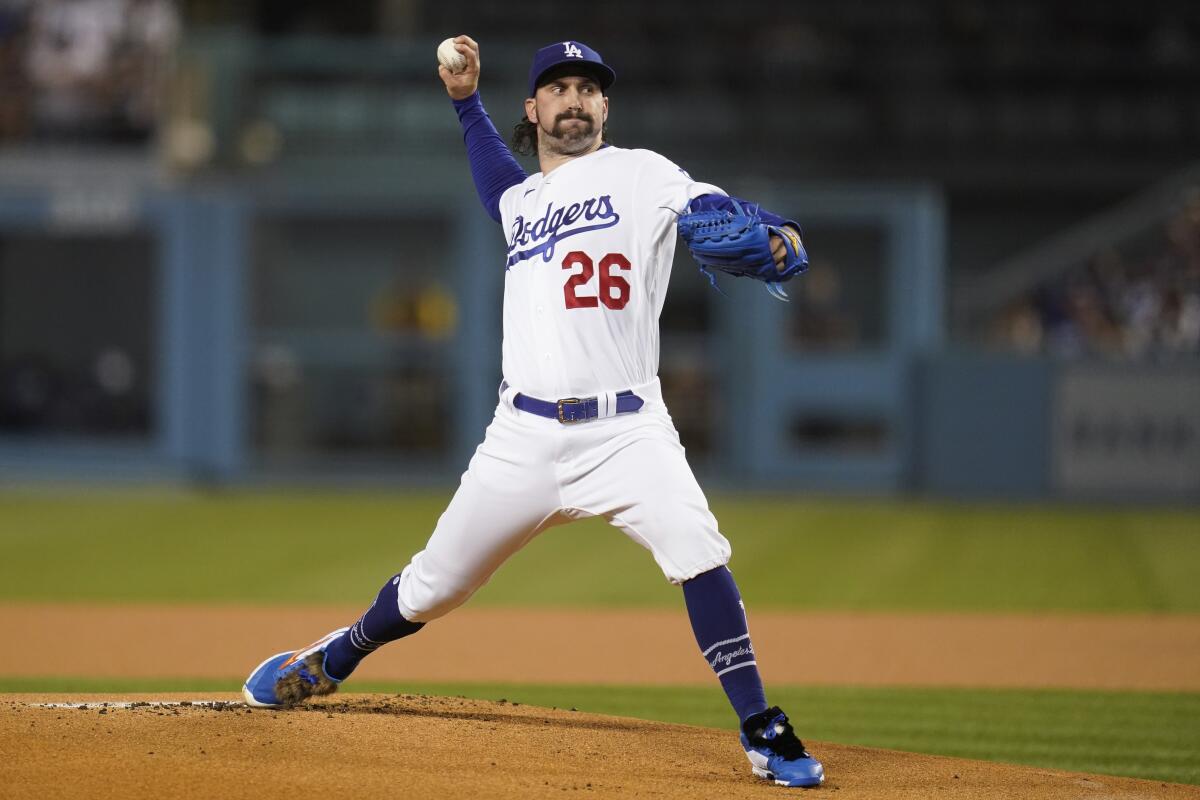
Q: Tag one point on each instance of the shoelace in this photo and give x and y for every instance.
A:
(780, 737)
(720, 223)
(300, 667)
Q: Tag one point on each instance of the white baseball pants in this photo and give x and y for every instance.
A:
(532, 473)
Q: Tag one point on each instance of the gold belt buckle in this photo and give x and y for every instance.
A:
(572, 401)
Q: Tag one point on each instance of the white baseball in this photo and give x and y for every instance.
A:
(450, 58)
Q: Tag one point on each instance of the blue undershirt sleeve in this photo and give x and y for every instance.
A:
(492, 164)
(721, 202)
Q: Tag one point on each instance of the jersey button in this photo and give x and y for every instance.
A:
(539, 309)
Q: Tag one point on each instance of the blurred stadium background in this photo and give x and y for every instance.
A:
(238, 241)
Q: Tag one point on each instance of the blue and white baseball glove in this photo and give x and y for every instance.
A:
(737, 242)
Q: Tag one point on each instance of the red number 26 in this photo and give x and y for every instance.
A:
(614, 289)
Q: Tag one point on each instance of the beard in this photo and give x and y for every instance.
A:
(569, 139)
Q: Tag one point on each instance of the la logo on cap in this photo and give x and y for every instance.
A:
(572, 51)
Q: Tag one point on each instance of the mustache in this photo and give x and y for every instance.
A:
(580, 115)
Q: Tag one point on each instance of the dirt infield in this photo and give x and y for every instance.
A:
(411, 746)
(647, 647)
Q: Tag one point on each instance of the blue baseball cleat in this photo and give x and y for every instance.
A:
(285, 679)
(776, 754)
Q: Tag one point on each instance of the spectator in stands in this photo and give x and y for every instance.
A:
(96, 66)
(68, 62)
(14, 91)
(1140, 308)
(145, 55)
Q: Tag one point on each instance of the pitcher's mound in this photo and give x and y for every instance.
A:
(436, 747)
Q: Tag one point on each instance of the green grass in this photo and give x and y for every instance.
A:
(336, 547)
(1137, 734)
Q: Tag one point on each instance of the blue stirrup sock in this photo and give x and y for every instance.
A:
(719, 622)
(382, 623)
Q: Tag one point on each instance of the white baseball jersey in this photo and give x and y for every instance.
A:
(589, 256)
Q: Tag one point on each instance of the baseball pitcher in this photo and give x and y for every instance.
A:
(580, 429)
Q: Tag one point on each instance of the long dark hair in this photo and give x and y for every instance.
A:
(524, 138)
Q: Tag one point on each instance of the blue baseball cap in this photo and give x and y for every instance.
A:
(559, 55)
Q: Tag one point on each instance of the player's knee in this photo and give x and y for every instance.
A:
(426, 594)
(435, 605)
(685, 552)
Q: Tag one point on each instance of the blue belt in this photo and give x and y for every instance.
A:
(575, 409)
